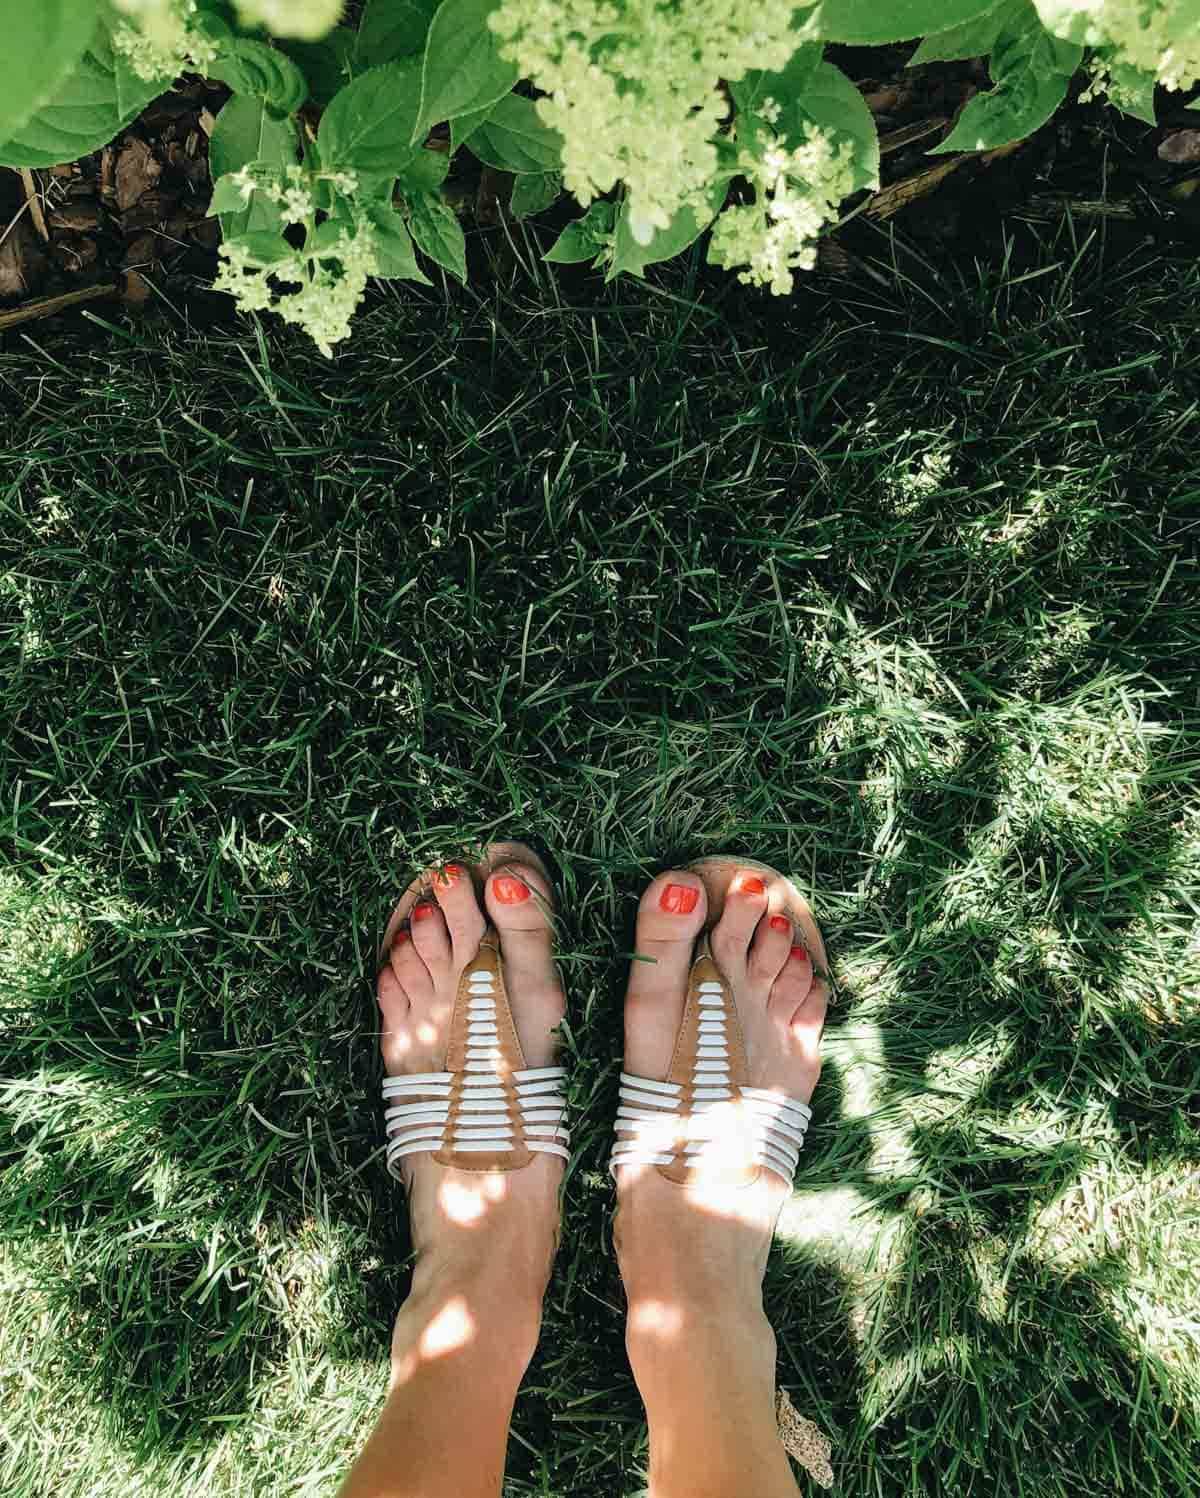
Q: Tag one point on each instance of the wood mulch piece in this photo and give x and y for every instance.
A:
(116, 222)
(133, 217)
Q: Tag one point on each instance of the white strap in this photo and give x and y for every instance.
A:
(651, 1121)
(418, 1120)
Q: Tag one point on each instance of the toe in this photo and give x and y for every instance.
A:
(455, 895)
(670, 917)
(520, 904)
(409, 967)
(745, 905)
(671, 911)
(792, 984)
(770, 948)
(394, 1009)
(431, 937)
(805, 1028)
(518, 898)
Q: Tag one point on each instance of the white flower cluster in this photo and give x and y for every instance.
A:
(1105, 84)
(796, 193)
(1160, 37)
(308, 20)
(160, 39)
(632, 87)
(294, 191)
(325, 297)
(317, 291)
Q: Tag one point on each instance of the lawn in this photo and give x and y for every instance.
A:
(894, 586)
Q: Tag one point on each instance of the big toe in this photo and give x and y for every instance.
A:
(520, 905)
(670, 917)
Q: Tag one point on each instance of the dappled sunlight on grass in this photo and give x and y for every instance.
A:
(808, 582)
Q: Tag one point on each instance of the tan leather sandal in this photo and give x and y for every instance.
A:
(487, 1111)
(702, 1122)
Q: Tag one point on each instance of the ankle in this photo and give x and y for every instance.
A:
(457, 1307)
(488, 1238)
(673, 1249)
(669, 1342)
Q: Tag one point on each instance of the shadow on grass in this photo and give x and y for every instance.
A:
(639, 629)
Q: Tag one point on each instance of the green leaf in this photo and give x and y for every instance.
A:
(328, 64)
(632, 256)
(369, 125)
(394, 246)
(226, 196)
(392, 29)
(324, 238)
(379, 188)
(264, 72)
(438, 233)
(264, 248)
(426, 171)
(973, 38)
(831, 102)
(89, 108)
(464, 125)
(1031, 70)
(810, 92)
(869, 22)
(534, 191)
(585, 237)
(462, 68)
(246, 134)
(43, 43)
(1130, 89)
(757, 85)
(514, 139)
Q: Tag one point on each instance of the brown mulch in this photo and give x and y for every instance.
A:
(131, 220)
(120, 220)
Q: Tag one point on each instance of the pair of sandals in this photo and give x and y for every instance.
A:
(701, 1123)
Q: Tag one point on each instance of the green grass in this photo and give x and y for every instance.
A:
(894, 586)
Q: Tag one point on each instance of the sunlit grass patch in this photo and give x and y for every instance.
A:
(639, 579)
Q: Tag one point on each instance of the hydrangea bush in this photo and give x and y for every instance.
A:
(663, 118)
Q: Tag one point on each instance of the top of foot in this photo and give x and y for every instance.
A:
(707, 1233)
(763, 950)
(432, 937)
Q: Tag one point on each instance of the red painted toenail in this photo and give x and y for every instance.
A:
(679, 899)
(751, 885)
(419, 912)
(510, 891)
(400, 937)
(451, 874)
(800, 953)
(780, 923)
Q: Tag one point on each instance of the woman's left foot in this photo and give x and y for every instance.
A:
(708, 1236)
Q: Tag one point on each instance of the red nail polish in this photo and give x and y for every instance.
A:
(679, 899)
(400, 937)
(451, 874)
(751, 885)
(780, 923)
(800, 953)
(508, 890)
(420, 912)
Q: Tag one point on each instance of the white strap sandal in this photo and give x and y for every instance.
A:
(487, 1111)
(703, 1123)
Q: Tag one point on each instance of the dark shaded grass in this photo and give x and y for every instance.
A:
(893, 587)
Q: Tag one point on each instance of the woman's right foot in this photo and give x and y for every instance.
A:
(677, 1243)
(484, 1236)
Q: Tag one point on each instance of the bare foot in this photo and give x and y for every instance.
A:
(677, 1242)
(475, 1232)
